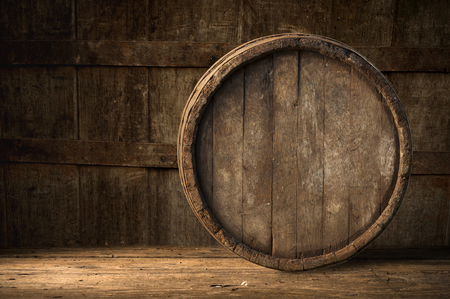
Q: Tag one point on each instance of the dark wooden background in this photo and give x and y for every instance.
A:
(91, 94)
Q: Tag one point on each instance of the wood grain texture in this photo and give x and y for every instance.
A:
(388, 149)
(372, 154)
(285, 143)
(214, 273)
(257, 164)
(265, 17)
(426, 162)
(427, 106)
(204, 155)
(163, 252)
(336, 159)
(169, 90)
(193, 54)
(357, 23)
(3, 213)
(42, 205)
(38, 102)
(37, 20)
(228, 145)
(423, 218)
(421, 24)
(361, 23)
(310, 154)
(114, 53)
(113, 104)
(341, 118)
(192, 20)
(113, 205)
(402, 59)
(171, 221)
(112, 20)
(164, 155)
(89, 152)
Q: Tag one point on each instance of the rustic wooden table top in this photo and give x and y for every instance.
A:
(136, 272)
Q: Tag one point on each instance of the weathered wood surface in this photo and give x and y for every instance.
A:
(4, 221)
(353, 23)
(226, 126)
(114, 53)
(397, 36)
(421, 24)
(431, 162)
(41, 205)
(257, 147)
(164, 155)
(113, 205)
(284, 164)
(427, 107)
(193, 54)
(383, 23)
(169, 89)
(316, 109)
(336, 155)
(200, 252)
(38, 102)
(197, 21)
(423, 217)
(310, 168)
(170, 219)
(116, 20)
(209, 272)
(37, 20)
(113, 104)
(89, 152)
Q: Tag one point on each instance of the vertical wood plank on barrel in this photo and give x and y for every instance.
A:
(42, 204)
(336, 159)
(366, 134)
(285, 102)
(227, 154)
(310, 154)
(204, 155)
(113, 205)
(257, 161)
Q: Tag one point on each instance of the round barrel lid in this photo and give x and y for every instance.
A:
(294, 151)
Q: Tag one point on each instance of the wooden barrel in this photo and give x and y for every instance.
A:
(294, 151)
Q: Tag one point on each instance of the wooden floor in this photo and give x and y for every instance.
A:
(215, 272)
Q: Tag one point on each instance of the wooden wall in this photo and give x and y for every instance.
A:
(91, 94)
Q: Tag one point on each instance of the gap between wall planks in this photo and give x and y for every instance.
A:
(159, 155)
(192, 54)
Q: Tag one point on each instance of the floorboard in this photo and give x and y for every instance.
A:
(136, 272)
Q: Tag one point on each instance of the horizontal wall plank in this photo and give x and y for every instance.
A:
(425, 162)
(162, 54)
(89, 152)
(162, 155)
(393, 59)
(192, 54)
